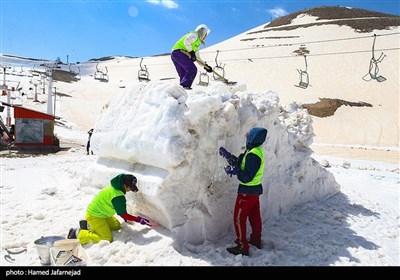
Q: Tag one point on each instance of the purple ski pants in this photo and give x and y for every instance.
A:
(185, 67)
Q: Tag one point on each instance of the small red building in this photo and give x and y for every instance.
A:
(34, 129)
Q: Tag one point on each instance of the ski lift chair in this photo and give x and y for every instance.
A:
(34, 71)
(219, 69)
(21, 73)
(100, 75)
(373, 65)
(77, 74)
(143, 74)
(304, 79)
(105, 76)
(203, 79)
(14, 72)
(374, 69)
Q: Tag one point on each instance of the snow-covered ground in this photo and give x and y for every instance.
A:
(359, 226)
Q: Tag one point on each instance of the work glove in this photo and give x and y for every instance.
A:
(208, 68)
(193, 56)
(232, 160)
(142, 221)
(231, 170)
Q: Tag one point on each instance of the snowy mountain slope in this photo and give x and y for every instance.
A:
(269, 57)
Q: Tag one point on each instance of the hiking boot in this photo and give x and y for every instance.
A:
(238, 250)
(259, 245)
(73, 233)
(187, 88)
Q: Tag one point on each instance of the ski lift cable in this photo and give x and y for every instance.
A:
(317, 54)
(309, 42)
(299, 43)
(285, 56)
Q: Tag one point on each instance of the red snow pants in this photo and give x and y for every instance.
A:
(247, 205)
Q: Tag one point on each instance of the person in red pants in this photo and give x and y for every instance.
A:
(249, 171)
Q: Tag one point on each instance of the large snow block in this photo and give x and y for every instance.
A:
(170, 141)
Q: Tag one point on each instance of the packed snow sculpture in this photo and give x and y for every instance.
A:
(169, 139)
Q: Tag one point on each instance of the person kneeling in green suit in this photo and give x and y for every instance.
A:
(100, 212)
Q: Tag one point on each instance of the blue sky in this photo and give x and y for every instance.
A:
(80, 30)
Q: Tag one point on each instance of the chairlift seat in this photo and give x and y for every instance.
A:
(218, 69)
(101, 77)
(143, 75)
(143, 79)
(203, 81)
(304, 80)
(303, 85)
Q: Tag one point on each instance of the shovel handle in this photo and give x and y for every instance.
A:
(202, 63)
(219, 76)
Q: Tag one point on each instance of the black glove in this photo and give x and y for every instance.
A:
(208, 68)
(193, 56)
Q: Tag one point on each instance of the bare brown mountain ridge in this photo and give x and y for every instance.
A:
(359, 19)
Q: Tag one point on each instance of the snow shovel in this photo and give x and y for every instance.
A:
(202, 63)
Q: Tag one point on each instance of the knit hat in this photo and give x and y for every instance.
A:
(131, 181)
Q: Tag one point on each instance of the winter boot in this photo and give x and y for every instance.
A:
(238, 250)
(83, 224)
(259, 244)
(73, 233)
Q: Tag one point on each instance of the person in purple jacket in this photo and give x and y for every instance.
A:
(186, 51)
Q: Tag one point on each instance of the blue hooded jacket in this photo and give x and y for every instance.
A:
(256, 137)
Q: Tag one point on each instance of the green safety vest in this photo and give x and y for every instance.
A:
(101, 206)
(258, 177)
(180, 45)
